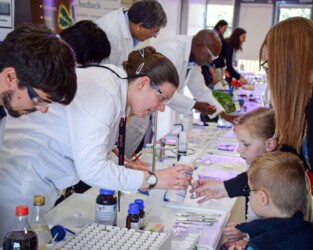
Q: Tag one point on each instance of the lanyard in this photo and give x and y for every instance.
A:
(121, 141)
(121, 151)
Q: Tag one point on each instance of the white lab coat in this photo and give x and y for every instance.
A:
(116, 26)
(2, 127)
(43, 154)
(178, 49)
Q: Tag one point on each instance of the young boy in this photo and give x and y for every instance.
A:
(278, 193)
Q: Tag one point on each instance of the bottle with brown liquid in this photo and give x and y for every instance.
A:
(106, 207)
(132, 220)
(142, 215)
(21, 237)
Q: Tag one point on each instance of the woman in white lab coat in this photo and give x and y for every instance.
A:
(45, 154)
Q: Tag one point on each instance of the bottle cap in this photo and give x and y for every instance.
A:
(140, 203)
(106, 191)
(21, 210)
(58, 232)
(39, 200)
(133, 208)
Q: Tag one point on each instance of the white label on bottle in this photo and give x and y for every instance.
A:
(237, 106)
(142, 222)
(235, 95)
(135, 225)
(106, 214)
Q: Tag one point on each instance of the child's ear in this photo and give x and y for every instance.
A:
(270, 144)
(263, 198)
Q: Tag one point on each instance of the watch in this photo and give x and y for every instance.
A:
(152, 179)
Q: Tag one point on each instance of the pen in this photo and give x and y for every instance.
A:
(136, 156)
(188, 172)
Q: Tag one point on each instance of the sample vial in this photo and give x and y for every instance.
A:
(182, 144)
(106, 207)
(194, 194)
(142, 216)
(132, 220)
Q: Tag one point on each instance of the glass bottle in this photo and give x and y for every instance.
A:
(142, 216)
(21, 237)
(39, 224)
(106, 207)
(132, 220)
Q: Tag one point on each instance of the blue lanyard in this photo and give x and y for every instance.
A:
(305, 153)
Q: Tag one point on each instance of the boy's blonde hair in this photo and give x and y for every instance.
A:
(282, 176)
(260, 123)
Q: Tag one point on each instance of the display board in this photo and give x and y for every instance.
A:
(6, 17)
(94, 9)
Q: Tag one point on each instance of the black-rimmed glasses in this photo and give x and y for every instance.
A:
(163, 100)
(155, 34)
(212, 57)
(39, 103)
(264, 66)
(247, 189)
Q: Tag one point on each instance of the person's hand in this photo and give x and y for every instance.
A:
(208, 189)
(233, 119)
(137, 162)
(233, 234)
(174, 177)
(205, 108)
(239, 245)
(243, 80)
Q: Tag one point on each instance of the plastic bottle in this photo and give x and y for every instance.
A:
(142, 216)
(132, 220)
(39, 224)
(21, 237)
(106, 207)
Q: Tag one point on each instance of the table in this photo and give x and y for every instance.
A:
(203, 151)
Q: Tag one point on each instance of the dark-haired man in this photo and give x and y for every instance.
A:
(125, 28)
(36, 69)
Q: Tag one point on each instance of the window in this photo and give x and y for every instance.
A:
(216, 12)
(284, 11)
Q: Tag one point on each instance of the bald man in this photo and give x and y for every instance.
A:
(188, 55)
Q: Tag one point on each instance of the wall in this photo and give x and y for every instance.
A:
(256, 19)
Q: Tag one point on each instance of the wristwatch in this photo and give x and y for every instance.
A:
(152, 179)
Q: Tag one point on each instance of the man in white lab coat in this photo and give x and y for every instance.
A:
(188, 53)
(36, 69)
(125, 28)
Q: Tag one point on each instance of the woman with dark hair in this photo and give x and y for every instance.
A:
(234, 44)
(219, 63)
